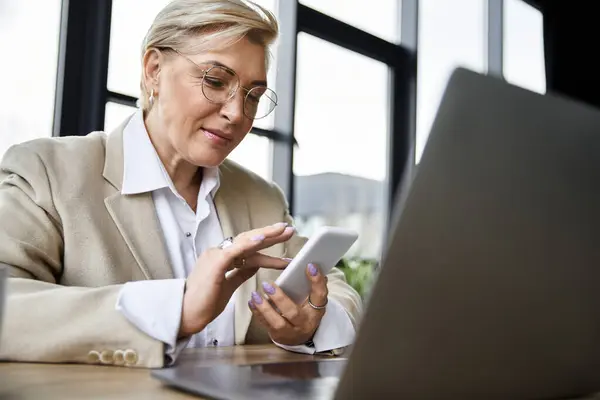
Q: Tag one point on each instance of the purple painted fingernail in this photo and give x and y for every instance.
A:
(280, 224)
(251, 304)
(258, 238)
(312, 269)
(287, 259)
(268, 288)
(256, 298)
(289, 229)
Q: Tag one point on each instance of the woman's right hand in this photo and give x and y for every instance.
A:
(208, 288)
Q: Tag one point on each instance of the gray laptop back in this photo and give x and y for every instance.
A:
(3, 284)
(490, 288)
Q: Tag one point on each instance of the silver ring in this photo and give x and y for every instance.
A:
(316, 307)
(226, 243)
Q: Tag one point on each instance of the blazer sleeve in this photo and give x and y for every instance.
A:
(44, 321)
(338, 287)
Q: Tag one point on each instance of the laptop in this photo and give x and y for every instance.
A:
(490, 285)
(3, 279)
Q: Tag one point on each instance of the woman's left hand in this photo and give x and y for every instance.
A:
(296, 323)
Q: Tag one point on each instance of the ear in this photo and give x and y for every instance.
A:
(151, 65)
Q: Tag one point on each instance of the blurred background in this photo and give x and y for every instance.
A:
(358, 82)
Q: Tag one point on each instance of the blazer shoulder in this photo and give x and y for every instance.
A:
(49, 147)
(76, 153)
(62, 166)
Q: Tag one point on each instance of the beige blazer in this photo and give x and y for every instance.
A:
(71, 240)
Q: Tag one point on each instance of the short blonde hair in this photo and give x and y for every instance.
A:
(217, 23)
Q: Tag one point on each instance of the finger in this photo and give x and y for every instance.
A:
(237, 277)
(267, 233)
(258, 239)
(319, 291)
(273, 320)
(286, 235)
(270, 240)
(288, 309)
(257, 260)
(257, 314)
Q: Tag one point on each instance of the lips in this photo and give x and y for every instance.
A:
(217, 136)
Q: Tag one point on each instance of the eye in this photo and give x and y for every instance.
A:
(256, 93)
(253, 97)
(217, 78)
(214, 82)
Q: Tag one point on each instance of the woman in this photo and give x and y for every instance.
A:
(116, 243)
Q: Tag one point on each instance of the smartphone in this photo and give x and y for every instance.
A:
(324, 248)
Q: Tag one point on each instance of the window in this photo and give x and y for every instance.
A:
(127, 35)
(381, 20)
(115, 114)
(524, 46)
(28, 88)
(268, 122)
(451, 34)
(341, 128)
(254, 153)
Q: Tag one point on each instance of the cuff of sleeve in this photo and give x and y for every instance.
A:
(172, 352)
(335, 332)
(154, 307)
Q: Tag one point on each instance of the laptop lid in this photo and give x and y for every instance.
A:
(3, 284)
(490, 287)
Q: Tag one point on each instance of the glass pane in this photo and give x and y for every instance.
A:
(28, 69)
(381, 20)
(267, 122)
(451, 33)
(115, 114)
(127, 34)
(341, 128)
(524, 46)
(254, 153)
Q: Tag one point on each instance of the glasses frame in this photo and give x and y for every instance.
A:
(234, 91)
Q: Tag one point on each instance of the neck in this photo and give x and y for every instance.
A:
(185, 176)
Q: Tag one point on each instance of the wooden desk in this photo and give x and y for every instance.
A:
(22, 381)
(61, 381)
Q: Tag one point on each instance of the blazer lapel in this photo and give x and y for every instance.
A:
(135, 216)
(136, 219)
(234, 217)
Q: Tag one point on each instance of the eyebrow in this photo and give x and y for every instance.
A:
(220, 64)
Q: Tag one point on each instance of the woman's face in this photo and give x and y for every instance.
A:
(187, 124)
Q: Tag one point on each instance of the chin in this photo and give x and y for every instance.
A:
(208, 159)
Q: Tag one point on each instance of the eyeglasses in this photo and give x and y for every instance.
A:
(220, 84)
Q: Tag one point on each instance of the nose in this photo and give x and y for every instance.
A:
(233, 109)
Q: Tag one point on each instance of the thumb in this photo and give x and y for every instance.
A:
(319, 292)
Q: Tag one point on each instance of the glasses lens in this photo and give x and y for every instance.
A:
(219, 84)
(260, 102)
